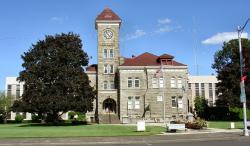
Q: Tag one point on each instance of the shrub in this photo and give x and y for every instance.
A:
(35, 118)
(197, 124)
(81, 116)
(71, 115)
(80, 120)
(19, 118)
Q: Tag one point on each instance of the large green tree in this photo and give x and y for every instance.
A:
(54, 77)
(227, 66)
(201, 106)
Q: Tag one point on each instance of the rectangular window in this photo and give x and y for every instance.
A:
(9, 90)
(203, 90)
(18, 91)
(179, 83)
(130, 82)
(172, 83)
(105, 69)
(111, 53)
(189, 85)
(137, 102)
(216, 92)
(105, 53)
(111, 69)
(174, 104)
(130, 102)
(197, 92)
(112, 85)
(154, 83)
(159, 98)
(105, 85)
(161, 82)
(137, 82)
(210, 91)
(180, 102)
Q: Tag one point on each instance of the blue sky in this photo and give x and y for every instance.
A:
(183, 28)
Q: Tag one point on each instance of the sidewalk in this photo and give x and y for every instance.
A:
(164, 138)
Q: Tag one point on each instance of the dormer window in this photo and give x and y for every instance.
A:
(166, 59)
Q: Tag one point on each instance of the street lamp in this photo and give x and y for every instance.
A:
(242, 83)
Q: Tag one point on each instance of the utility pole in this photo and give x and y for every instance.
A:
(242, 83)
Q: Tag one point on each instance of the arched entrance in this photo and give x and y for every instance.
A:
(109, 105)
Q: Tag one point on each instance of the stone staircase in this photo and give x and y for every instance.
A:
(109, 119)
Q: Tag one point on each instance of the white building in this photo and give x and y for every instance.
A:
(203, 86)
(15, 89)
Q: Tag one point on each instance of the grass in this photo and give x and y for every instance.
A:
(224, 124)
(31, 130)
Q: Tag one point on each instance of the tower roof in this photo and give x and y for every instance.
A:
(107, 14)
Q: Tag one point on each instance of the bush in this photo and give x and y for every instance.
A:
(197, 124)
(81, 116)
(79, 120)
(71, 115)
(35, 118)
(19, 118)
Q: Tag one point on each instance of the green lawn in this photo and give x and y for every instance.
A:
(27, 130)
(224, 124)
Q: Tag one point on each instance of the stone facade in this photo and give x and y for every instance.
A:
(128, 87)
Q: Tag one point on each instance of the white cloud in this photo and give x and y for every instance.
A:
(164, 21)
(138, 33)
(163, 29)
(58, 19)
(223, 37)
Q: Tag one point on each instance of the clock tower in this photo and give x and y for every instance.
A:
(107, 25)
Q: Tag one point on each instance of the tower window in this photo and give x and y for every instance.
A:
(105, 68)
(105, 85)
(105, 53)
(111, 69)
(111, 53)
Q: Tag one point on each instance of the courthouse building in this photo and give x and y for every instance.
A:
(147, 86)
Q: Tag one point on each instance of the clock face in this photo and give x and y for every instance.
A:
(108, 34)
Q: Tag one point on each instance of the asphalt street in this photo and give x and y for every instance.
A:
(209, 139)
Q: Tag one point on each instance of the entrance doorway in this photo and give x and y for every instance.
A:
(109, 105)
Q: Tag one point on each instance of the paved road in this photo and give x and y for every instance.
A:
(209, 139)
(245, 142)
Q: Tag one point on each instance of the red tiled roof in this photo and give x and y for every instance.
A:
(107, 14)
(148, 59)
(92, 67)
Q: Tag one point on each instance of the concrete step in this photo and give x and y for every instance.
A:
(109, 119)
